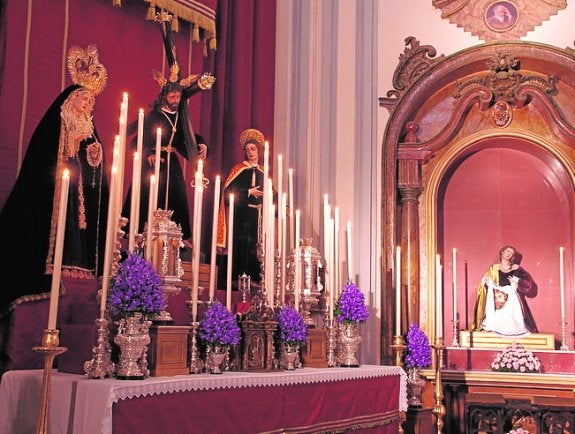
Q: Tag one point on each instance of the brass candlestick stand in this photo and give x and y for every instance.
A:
(50, 349)
(439, 408)
(398, 347)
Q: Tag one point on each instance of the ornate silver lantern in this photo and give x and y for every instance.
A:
(167, 240)
(312, 278)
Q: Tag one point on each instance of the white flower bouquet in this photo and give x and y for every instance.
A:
(516, 358)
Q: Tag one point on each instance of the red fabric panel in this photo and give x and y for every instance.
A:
(131, 47)
(295, 408)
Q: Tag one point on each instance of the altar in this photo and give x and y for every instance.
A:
(307, 400)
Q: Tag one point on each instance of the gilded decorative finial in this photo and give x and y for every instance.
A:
(86, 70)
(163, 16)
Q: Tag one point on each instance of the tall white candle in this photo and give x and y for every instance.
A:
(326, 251)
(283, 253)
(197, 239)
(134, 203)
(110, 240)
(117, 161)
(439, 298)
(58, 250)
(265, 199)
(454, 265)
(197, 214)
(230, 253)
(291, 209)
(121, 162)
(336, 251)
(270, 269)
(349, 246)
(280, 225)
(214, 237)
(562, 282)
(111, 227)
(150, 217)
(296, 287)
(157, 166)
(330, 269)
(136, 186)
(398, 291)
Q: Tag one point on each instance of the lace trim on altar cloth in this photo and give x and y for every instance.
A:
(120, 390)
(185, 383)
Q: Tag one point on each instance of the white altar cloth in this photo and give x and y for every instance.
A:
(79, 405)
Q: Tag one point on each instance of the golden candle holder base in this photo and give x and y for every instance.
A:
(398, 347)
(438, 408)
(50, 349)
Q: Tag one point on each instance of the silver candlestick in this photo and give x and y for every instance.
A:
(331, 344)
(101, 365)
(455, 341)
(196, 363)
(564, 346)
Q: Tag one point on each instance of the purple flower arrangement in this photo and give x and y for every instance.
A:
(417, 353)
(292, 329)
(219, 326)
(137, 287)
(351, 308)
(516, 358)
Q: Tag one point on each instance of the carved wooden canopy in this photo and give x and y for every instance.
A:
(441, 109)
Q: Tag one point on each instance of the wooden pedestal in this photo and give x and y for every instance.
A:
(168, 350)
(315, 351)
(419, 421)
(203, 277)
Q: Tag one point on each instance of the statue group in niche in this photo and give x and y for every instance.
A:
(501, 305)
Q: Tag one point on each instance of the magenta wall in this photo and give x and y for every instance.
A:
(509, 192)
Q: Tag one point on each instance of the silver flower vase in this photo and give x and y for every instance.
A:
(348, 340)
(415, 385)
(216, 356)
(133, 338)
(290, 354)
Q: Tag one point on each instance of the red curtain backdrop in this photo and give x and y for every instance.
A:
(131, 47)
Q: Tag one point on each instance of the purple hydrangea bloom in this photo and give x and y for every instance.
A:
(292, 328)
(219, 326)
(351, 305)
(137, 287)
(418, 351)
